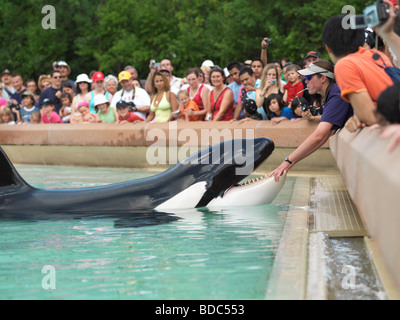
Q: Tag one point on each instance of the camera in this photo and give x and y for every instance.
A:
(314, 111)
(268, 41)
(124, 104)
(154, 64)
(249, 104)
(16, 106)
(372, 16)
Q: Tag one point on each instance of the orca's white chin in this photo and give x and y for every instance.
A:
(251, 193)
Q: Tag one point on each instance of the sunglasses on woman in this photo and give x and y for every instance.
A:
(308, 78)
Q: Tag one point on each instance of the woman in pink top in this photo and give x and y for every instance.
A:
(198, 93)
(221, 97)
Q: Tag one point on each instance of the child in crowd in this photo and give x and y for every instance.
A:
(76, 117)
(277, 110)
(3, 102)
(48, 113)
(294, 88)
(125, 115)
(87, 117)
(67, 87)
(6, 116)
(104, 113)
(28, 108)
(65, 111)
(35, 117)
(187, 106)
(296, 107)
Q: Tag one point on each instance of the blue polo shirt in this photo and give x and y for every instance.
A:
(336, 110)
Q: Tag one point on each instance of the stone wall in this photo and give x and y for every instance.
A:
(127, 145)
(372, 177)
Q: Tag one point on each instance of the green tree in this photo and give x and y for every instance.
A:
(106, 35)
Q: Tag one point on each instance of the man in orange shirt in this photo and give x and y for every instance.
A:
(358, 71)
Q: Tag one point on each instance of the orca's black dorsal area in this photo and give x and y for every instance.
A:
(8, 175)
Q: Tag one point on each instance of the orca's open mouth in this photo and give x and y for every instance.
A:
(248, 183)
(252, 191)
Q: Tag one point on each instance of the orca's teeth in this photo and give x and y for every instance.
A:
(249, 182)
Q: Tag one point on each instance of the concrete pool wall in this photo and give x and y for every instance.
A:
(127, 145)
(372, 177)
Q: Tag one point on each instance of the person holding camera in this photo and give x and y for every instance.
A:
(137, 97)
(390, 31)
(264, 46)
(320, 81)
(247, 97)
(270, 83)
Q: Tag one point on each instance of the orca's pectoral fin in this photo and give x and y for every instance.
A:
(147, 219)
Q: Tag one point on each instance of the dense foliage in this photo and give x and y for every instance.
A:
(109, 34)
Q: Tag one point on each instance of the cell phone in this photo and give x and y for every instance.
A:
(274, 81)
(176, 112)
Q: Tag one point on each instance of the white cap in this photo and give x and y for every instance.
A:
(83, 78)
(314, 69)
(207, 63)
(100, 99)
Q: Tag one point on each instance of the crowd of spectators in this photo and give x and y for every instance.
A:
(214, 93)
(254, 90)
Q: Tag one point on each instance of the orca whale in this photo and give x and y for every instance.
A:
(209, 178)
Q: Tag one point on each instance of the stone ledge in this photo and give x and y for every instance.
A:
(285, 135)
(371, 175)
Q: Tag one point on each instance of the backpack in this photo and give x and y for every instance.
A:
(392, 72)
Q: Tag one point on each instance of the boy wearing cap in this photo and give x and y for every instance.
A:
(129, 93)
(28, 100)
(49, 115)
(125, 115)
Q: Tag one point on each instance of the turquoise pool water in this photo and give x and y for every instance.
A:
(224, 254)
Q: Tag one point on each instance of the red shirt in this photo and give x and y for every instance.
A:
(216, 105)
(131, 117)
(197, 98)
(293, 90)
